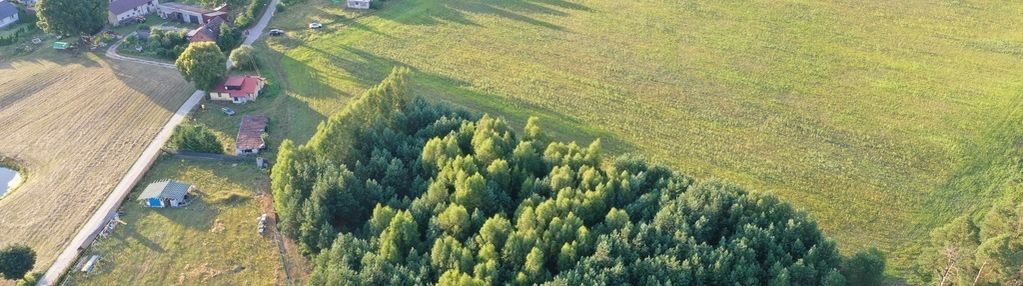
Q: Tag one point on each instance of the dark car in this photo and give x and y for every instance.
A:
(276, 32)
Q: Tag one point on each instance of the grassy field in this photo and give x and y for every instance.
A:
(213, 241)
(882, 119)
(76, 123)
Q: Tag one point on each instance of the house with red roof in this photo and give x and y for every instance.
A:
(250, 135)
(238, 89)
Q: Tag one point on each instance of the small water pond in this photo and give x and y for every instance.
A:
(9, 179)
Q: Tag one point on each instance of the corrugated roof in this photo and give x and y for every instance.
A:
(167, 189)
(7, 9)
(121, 6)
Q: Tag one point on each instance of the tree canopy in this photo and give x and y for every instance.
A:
(978, 249)
(395, 190)
(196, 138)
(203, 64)
(71, 17)
(16, 261)
(244, 57)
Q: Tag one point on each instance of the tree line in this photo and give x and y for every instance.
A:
(396, 190)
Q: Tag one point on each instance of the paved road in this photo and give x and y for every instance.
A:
(106, 211)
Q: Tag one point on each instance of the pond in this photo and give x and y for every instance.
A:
(8, 180)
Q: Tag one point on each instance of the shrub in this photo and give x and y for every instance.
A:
(244, 58)
(16, 261)
(195, 138)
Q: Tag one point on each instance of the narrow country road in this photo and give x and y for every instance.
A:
(106, 211)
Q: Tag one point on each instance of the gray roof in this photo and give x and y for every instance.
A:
(167, 189)
(120, 6)
(7, 9)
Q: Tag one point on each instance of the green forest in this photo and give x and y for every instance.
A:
(398, 190)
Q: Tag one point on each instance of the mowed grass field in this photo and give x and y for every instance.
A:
(76, 123)
(882, 119)
(212, 241)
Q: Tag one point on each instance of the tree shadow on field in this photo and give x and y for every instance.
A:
(149, 81)
(433, 13)
(132, 233)
(437, 87)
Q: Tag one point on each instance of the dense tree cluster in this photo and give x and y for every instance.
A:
(244, 58)
(72, 17)
(395, 190)
(984, 249)
(195, 138)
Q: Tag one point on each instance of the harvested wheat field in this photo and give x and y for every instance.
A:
(75, 124)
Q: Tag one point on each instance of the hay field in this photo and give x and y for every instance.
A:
(883, 119)
(76, 123)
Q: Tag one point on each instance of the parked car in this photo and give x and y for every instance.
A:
(315, 25)
(276, 32)
(228, 111)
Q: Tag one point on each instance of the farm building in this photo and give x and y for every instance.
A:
(208, 32)
(8, 14)
(238, 89)
(121, 10)
(250, 135)
(191, 14)
(358, 4)
(167, 193)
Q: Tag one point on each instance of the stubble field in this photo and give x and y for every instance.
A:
(76, 124)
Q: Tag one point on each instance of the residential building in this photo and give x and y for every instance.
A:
(121, 10)
(250, 135)
(8, 14)
(358, 4)
(238, 89)
(208, 32)
(166, 193)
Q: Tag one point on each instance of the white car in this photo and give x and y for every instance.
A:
(315, 25)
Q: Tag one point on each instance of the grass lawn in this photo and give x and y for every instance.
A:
(882, 119)
(212, 241)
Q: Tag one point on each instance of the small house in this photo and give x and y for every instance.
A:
(121, 10)
(250, 135)
(358, 4)
(238, 89)
(209, 32)
(167, 193)
(8, 14)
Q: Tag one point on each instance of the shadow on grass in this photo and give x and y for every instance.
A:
(435, 12)
(132, 233)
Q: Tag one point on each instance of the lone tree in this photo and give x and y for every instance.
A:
(16, 261)
(203, 64)
(243, 58)
(71, 17)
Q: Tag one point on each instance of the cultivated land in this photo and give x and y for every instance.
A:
(77, 123)
(882, 119)
(213, 241)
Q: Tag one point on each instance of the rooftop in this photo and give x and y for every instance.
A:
(120, 6)
(250, 133)
(183, 7)
(7, 9)
(166, 189)
(241, 86)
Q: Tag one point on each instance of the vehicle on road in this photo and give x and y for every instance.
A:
(228, 111)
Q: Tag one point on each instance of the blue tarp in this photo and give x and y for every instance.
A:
(154, 202)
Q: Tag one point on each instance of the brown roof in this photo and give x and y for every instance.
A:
(250, 133)
(208, 32)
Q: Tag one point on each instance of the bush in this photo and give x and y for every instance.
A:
(195, 138)
(244, 58)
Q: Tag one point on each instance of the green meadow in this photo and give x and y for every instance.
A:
(882, 119)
